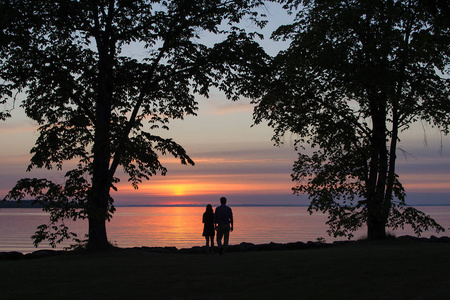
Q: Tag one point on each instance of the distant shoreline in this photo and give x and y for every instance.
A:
(29, 204)
(22, 204)
(244, 205)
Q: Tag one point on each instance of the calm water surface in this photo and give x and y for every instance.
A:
(182, 226)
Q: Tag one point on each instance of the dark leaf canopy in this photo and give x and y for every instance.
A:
(55, 50)
(351, 64)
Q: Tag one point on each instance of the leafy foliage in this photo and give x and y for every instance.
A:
(356, 74)
(61, 202)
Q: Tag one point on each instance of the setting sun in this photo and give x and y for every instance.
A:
(179, 189)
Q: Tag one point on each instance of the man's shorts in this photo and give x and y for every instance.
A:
(222, 229)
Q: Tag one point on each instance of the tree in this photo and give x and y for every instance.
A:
(95, 105)
(355, 76)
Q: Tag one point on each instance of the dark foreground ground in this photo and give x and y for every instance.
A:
(393, 269)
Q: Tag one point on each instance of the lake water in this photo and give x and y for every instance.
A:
(182, 226)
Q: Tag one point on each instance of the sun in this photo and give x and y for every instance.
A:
(178, 190)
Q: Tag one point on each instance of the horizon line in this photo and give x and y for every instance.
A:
(243, 205)
(234, 205)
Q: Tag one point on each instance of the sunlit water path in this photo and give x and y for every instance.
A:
(182, 227)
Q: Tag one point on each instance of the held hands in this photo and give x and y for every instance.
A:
(216, 227)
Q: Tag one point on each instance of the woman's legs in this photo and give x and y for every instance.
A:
(209, 249)
(207, 244)
(212, 244)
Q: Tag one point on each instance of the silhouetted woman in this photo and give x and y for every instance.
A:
(208, 228)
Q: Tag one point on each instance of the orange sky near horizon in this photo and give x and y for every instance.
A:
(211, 185)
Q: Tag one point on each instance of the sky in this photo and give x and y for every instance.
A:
(233, 158)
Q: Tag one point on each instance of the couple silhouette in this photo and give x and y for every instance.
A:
(221, 221)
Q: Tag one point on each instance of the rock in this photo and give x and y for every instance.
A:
(194, 250)
(312, 245)
(434, 239)
(13, 255)
(442, 239)
(43, 253)
(296, 246)
(412, 238)
(159, 249)
(338, 243)
(245, 247)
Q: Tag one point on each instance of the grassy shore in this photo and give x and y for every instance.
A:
(375, 270)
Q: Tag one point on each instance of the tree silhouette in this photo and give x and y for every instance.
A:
(97, 105)
(357, 74)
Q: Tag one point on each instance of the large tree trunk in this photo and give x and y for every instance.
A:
(101, 176)
(99, 196)
(376, 183)
(101, 179)
(376, 228)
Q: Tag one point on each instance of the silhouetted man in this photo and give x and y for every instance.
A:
(223, 220)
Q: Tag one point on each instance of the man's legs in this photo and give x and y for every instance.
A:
(223, 231)
(226, 236)
(219, 238)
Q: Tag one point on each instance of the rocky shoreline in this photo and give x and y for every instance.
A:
(242, 247)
